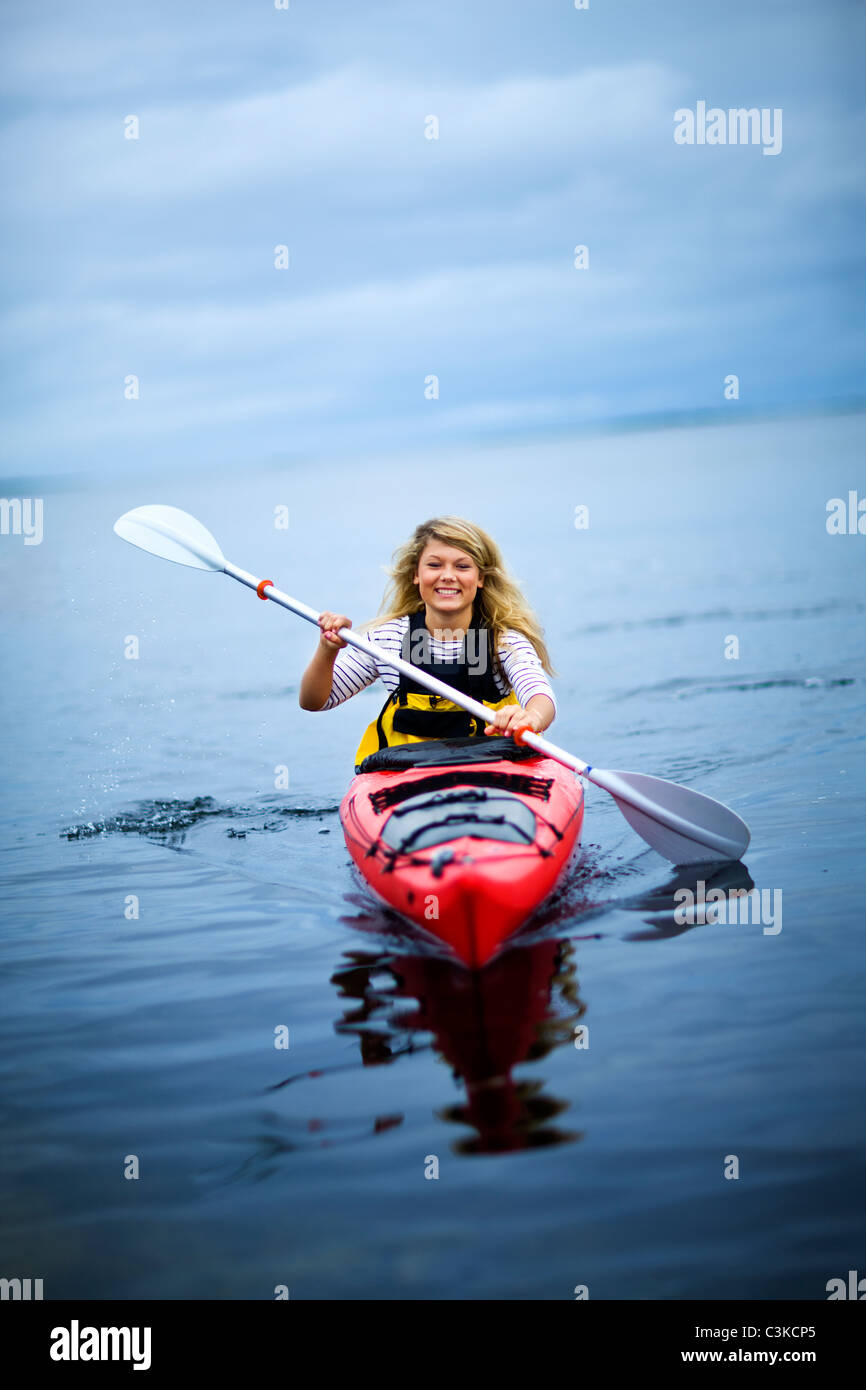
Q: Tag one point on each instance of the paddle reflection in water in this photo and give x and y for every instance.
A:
(669, 915)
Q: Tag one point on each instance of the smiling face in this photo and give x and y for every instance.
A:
(448, 580)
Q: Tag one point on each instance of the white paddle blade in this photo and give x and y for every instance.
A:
(680, 824)
(172, 535)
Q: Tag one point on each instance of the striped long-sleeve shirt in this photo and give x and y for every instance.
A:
(354, 670)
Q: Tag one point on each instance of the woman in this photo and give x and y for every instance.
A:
(453, 610)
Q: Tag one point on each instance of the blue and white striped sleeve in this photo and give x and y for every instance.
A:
(354, 670)
(522, 665)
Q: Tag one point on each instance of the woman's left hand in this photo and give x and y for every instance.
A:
(511, 718)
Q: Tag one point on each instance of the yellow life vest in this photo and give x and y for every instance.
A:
(413, 715)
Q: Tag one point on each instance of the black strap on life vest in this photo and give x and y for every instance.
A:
(471, 673)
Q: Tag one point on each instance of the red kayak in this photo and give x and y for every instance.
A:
(466, 837)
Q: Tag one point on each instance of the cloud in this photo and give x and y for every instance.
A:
(349, 124)
(408, 256)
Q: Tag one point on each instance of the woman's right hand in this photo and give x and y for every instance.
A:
(330, 623)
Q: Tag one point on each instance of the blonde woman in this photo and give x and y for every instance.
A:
(451, 609)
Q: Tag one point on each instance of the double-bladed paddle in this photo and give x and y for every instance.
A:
(680, 824)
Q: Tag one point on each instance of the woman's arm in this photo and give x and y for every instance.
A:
(545, 708)
(318, 679)
(525, 673)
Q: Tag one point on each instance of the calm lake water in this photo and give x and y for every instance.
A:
(154, 779)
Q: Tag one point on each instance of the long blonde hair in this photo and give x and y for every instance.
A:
(500, 604)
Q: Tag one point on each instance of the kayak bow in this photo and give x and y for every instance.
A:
(464, 841)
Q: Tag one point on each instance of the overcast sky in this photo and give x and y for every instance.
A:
(408, 257)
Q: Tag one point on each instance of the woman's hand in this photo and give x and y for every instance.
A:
(330, 623)
(512, 718)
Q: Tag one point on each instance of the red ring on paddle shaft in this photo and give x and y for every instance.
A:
(264, 585)
(517, 733)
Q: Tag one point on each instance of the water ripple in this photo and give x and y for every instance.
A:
(680, 688)
(752, 615)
